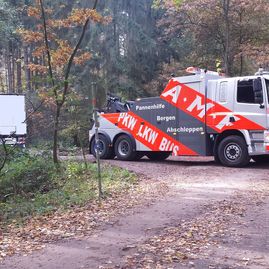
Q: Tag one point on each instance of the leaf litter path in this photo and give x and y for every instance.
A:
(211, 217)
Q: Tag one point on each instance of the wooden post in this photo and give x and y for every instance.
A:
(97, 144)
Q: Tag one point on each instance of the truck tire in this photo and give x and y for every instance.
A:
(261, 158)
(125, 149)
(105, 151)
(158, 155)
(233, 152)
(216, 158)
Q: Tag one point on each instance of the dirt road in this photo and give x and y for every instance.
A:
(210, 217)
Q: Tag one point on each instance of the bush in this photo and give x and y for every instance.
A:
(11, 152)
(26, 174)
(42, 189)
(74, 136)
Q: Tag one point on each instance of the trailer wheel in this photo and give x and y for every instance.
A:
(261, 158)
(232, 151)
(158, 155)
(105, 151)
(125, 149)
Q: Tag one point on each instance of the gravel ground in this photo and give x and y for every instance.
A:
(227, 207)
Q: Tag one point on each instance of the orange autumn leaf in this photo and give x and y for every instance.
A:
(82, 58)
(61, 55)
(33, 12)
(38, 68)
(36, 13)
(78, 17)
(39, 51)
(30, 36)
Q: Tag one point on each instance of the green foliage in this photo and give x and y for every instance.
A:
(73, 185)
(156, 4)
(178, 2)
(9, 152)
(8, 22)
(39, 145)
(67, 136)
(159, 3)
(26, 174)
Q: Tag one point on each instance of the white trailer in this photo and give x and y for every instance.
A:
(12, 119)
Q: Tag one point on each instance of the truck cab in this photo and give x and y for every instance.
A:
(246, 99)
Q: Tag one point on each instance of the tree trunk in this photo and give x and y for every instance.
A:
(55, 133)
(60, 103)
(226, 7)
(9, 69)
(19, 82)
(6, 71)
(26, 69)
(12, 56)
(240, 44)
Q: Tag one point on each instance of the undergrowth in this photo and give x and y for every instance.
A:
(30, 185)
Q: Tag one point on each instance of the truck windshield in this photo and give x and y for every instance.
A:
(267, 89)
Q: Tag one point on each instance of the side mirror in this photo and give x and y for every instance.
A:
(258, 92)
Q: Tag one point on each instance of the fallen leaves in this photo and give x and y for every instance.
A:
(75, 222)
(192, 239)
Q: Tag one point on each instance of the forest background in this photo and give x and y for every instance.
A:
(132, 55)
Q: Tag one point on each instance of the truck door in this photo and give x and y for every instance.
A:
(250, 100)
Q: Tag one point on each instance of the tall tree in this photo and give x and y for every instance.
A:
(220, 29)
(8, 24)
(125, 52)
(55, 55)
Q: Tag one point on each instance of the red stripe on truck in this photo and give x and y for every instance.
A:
(213, 114)
(148, 134)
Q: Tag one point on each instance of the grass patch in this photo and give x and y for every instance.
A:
(28, 191)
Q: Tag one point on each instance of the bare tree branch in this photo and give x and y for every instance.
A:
(3, 143)
(35, 109)
(71, 59)
(48, 48)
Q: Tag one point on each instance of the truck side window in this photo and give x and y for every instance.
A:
(223, 91)
(245, 92)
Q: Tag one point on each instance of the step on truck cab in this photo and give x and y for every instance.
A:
(203, 114)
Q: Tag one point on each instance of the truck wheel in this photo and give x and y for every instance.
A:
(158, 155)
(125, 149)
(105, 151)
(261, 158)
(233, 152)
